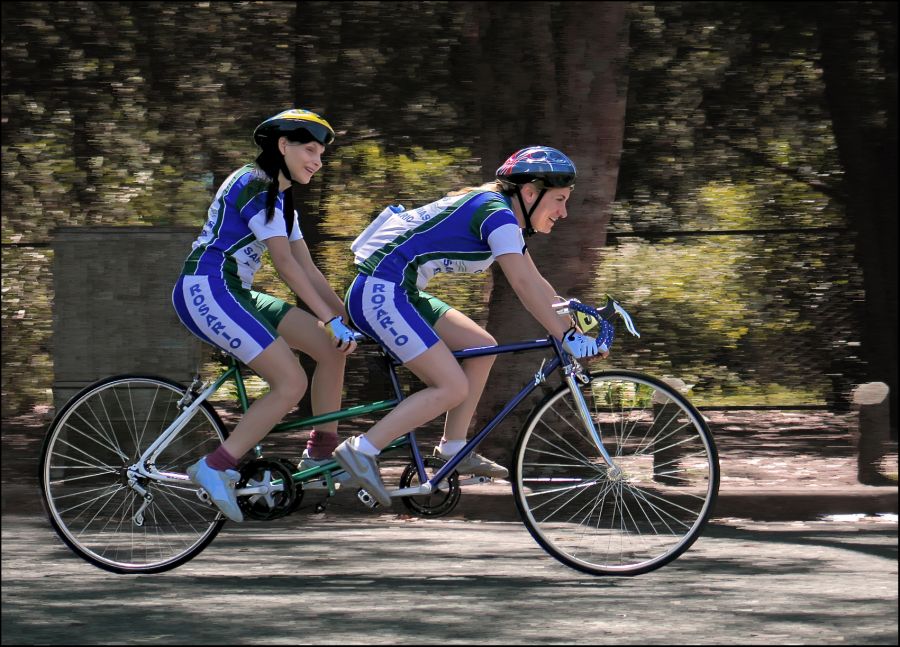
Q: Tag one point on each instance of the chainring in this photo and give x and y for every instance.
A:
(438, 503)
(265, 471)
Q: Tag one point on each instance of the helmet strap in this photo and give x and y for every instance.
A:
(288, 205)
(284, 169)
(529, 230)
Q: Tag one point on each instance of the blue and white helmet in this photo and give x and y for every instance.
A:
(547, 165)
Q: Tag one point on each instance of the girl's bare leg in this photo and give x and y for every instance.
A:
(458, 332)
(279, 367)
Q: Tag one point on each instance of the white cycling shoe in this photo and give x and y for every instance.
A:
(363, 468)
(219, 486)
(307, 462)
(476, 464)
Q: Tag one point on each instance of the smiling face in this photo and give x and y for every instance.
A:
(551, 208)
(302, 159)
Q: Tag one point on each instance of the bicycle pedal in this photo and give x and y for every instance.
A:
(476, 480)
(368, 500)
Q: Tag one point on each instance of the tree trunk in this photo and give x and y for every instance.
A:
(864, 117)
(571, 97)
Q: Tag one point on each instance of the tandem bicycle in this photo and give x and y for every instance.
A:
(614, 472)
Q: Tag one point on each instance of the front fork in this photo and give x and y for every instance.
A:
(573, 373)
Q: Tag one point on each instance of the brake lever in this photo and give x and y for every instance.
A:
(629, 324)
(611, 308)
(607, 312)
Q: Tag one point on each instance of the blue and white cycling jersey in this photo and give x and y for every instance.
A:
(230, 246)
(457, 234)
(213, 296)
(402, 250)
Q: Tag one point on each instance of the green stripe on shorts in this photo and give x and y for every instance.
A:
(429, 306)
(266, 309)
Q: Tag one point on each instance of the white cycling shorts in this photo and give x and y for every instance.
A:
(384, 311)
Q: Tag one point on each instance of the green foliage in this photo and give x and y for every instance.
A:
(133, 113)
(363, 179)
(727, 130)
(27, 320)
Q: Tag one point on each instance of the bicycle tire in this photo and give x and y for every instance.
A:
(599, 522)
(101, 431)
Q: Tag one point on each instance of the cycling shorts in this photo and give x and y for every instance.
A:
(401, 322)
(241, 322)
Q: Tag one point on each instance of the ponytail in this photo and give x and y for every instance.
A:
(494, 186)
(269, 162)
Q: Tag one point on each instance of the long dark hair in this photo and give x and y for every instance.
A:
(270, 161)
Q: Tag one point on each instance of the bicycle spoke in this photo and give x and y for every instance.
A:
(112, 445)
(582, 434)
(627, 520)
(139, 438)
(114, 437)
(191, 451)
(110, 490)
(583, 460)
(110, 468)
(91, 502)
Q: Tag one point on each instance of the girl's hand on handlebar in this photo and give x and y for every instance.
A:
(579, 345)
(340, 334)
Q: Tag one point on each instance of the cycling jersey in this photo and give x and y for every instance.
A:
(402, 250)
(212, 297)
(230, 246)
(457, 234)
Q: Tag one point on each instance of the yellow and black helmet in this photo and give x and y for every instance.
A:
(288, 122)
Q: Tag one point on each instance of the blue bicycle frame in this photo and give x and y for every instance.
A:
(545, 370)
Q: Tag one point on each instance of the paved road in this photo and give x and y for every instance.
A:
(385, 579)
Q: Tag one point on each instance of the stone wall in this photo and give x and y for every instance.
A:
(113, 310)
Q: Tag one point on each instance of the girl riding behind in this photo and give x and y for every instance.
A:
(253, 213)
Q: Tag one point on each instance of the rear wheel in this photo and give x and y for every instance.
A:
(83, 474)
(616, 522)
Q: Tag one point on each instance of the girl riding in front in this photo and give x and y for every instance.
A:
(464, 232)
(253, 212)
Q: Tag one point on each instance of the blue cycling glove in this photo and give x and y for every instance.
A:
(338, 331)
(579, 345)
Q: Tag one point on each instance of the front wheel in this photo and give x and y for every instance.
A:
(84, 482)
(626, 520)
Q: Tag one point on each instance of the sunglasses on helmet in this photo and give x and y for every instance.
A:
(319, 132)
(558, 181)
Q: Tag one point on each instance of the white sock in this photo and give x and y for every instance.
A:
(363, 445)
(451, 447)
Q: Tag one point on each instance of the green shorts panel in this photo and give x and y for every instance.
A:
(268, 310)
(429, 306)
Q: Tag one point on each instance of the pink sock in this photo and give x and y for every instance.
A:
(221, 460)
(321, 444)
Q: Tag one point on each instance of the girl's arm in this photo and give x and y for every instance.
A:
(299, 280)
(301, 254)
(533, 290)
